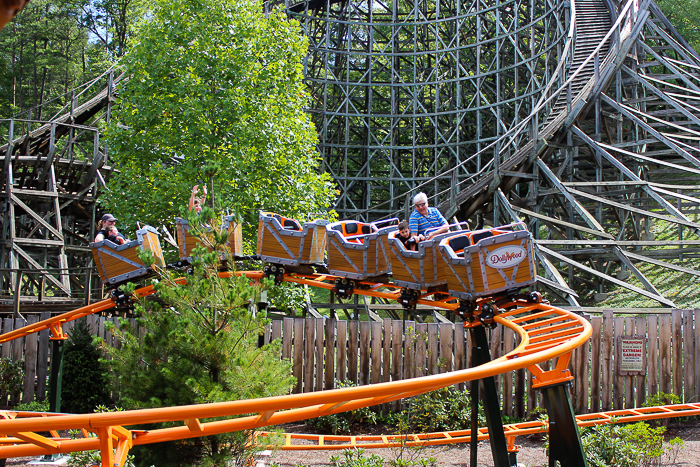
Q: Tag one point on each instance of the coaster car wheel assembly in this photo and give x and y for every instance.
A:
(343, 288)
(275, 271)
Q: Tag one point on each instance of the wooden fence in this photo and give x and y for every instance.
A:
(324, 351)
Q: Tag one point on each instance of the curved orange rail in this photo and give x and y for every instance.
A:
(546, 333)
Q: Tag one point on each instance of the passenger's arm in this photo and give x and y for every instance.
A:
(438, 231)
(195, 189)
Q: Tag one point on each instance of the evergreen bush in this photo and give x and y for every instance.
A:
(11, 376)
(85, 384)
(197, 344)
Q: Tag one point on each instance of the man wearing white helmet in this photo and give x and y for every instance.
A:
(426, 222)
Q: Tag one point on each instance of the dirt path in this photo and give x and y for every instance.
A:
(531, 454)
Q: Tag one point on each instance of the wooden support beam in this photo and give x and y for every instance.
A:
(606, 277)
(625, 207)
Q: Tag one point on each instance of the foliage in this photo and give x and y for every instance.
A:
(85, 383)
(11, 377)
(630, 445)
(45, 55)
(110, 23)
(286, 296)
(33, 406)
(445, 409)
(92, 458)
(215, 96)
(661, 398)
(341, 422)
(356, 458)
(685, 17)
(197, 344)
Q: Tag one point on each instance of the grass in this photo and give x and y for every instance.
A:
(681, 288)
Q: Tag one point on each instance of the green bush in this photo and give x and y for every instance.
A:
(630, 445)
(85, 383)
(11, 376)
(33, 406)
(340, 423)
(445, 409)
(660, 399)
(356, 458)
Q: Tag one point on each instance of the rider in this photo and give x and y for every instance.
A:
(196, 202)
(108, 230)
(404, 236)
(425, 221)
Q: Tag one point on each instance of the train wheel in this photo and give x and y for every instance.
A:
(343, 288)
(488, 311)
(535, 297)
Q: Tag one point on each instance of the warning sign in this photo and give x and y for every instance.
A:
(631, 355)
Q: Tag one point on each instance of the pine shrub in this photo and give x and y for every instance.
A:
(85, 382)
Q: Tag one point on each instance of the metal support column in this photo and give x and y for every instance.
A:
(564, 439)
(492, 408)
(56, 376)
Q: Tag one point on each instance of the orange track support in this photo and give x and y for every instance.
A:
(546, 333)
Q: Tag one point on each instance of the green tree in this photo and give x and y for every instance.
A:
(215, 86)
(684, 15)
(197, 343)
(85, 384)
(111, 22)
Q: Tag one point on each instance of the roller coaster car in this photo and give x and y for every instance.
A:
(285, 241)
(186, 242)
(486, 262)
(356, 249)
(420, 269)
(120, 263)
(235, 236)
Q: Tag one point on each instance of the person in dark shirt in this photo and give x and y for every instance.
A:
(108, 230)
(404, 236)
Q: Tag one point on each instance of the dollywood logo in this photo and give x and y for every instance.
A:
(506, 257)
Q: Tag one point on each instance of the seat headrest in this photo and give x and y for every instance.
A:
(459, 242)
(351, 228)
(480, 236)
(291, 224)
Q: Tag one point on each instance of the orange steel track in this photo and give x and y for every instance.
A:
(334, 442)
(546, 333)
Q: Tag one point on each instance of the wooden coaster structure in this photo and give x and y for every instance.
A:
(52, 174)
